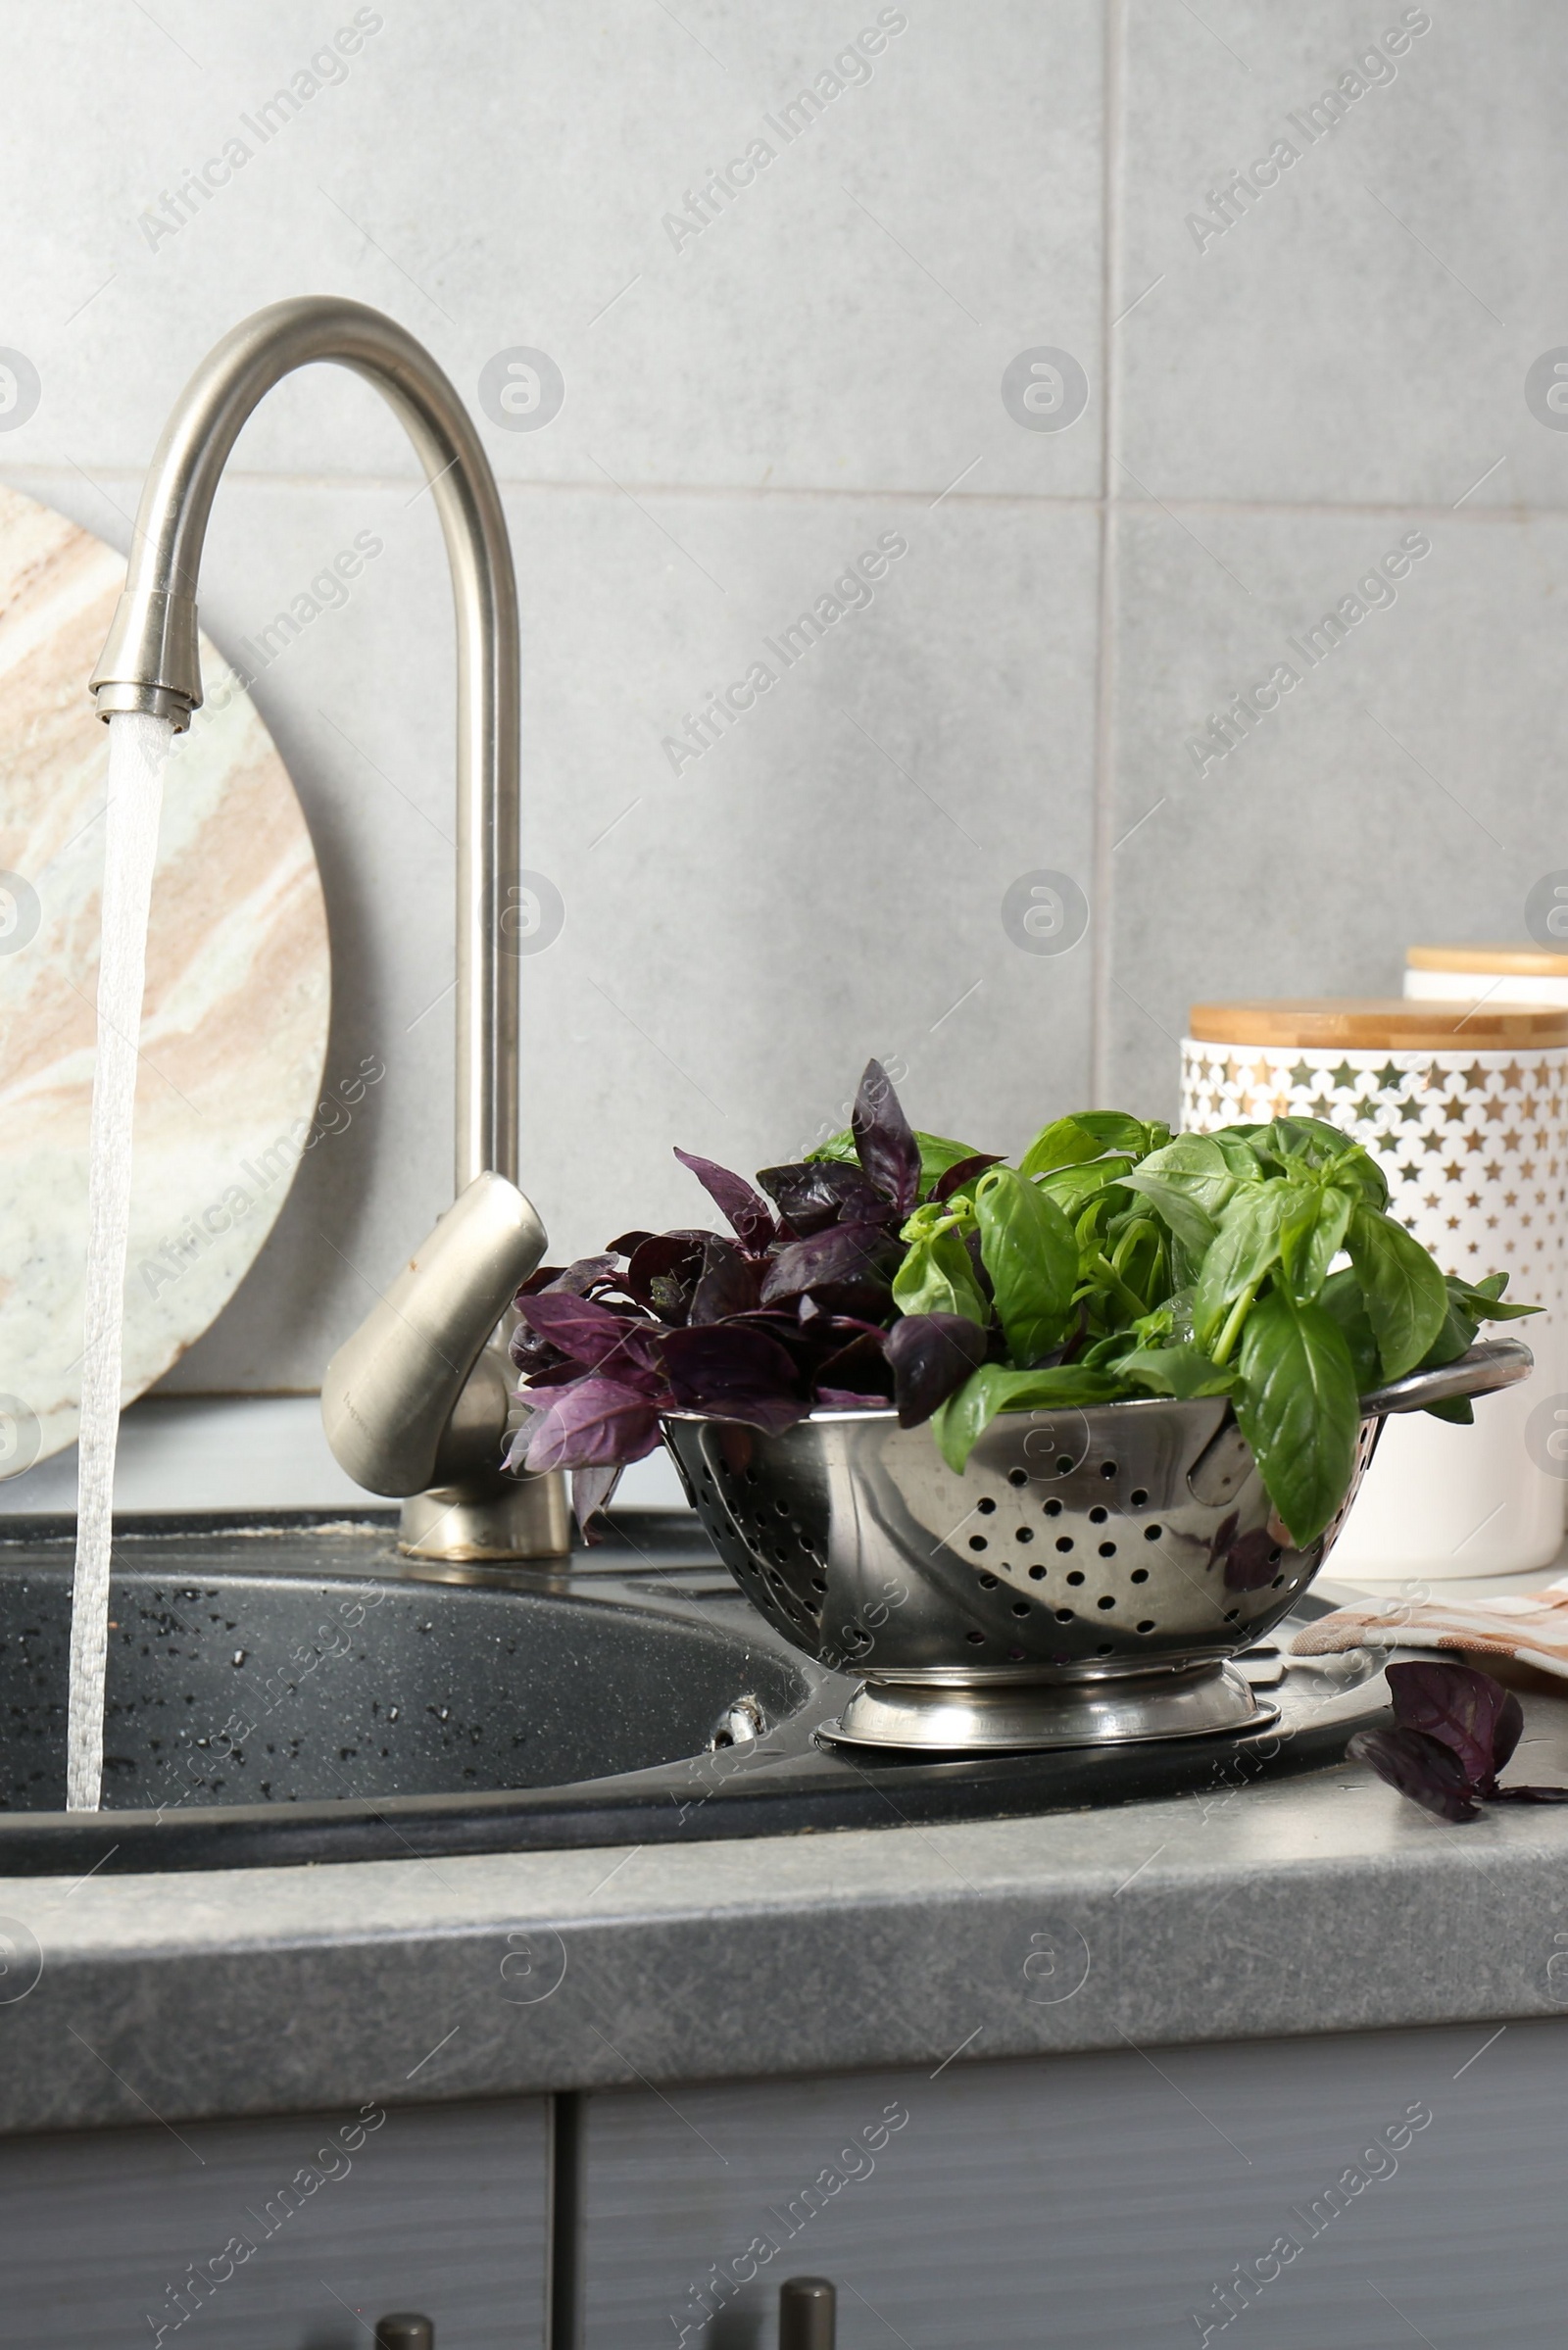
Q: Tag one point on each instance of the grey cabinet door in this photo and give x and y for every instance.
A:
(1367, 2191)
(214, 2237)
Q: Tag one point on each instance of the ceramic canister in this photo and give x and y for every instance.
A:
(1463, 1107)
(1499, 975)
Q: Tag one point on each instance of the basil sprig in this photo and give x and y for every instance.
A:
(1258, 1262)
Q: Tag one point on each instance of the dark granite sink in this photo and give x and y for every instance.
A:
(298, 1692)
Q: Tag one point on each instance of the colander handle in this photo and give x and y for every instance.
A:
(1494, 1363)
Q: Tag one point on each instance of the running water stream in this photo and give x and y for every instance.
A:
(138, 746)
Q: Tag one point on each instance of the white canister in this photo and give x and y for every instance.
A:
(1483, 975)
(1496, 975)
(1463, 1109)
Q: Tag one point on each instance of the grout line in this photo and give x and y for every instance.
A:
(1512, 511)
(1099, 888)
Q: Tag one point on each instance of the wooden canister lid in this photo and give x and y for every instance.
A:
(1513, 962)
(1375, 1023)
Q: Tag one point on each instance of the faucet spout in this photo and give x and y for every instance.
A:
(151, 661)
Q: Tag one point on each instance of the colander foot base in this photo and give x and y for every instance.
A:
(922, 1717)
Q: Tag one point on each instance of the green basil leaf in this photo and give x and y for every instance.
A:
(1484, 1301)
(1064, 1143)
(1183, 1371)
(937, 1277)
(1298, 1407)
(1312, 1143)
(1341, 1297)
(1189, 1182)
(1248, 1247)
(1407, 1297)
(1029, 1251)
(1457, 1408)
(1311, 1240)
(1234, 1145)
(958, 1423)
(1070, 1186)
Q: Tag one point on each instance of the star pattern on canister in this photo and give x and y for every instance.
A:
(1477, 1168)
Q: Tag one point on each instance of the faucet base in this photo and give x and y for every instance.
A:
(489, 1516)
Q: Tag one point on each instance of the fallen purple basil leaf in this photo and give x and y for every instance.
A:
(747, 1209)
(884, 1140)
(1428, 1773)
(1529, 1795)
(932, 1356)
(1463, 1708)
(843, 1398)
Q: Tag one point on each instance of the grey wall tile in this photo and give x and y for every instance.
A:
(500, 176)
(823, 883)
(1408, 788)
(1361, 329)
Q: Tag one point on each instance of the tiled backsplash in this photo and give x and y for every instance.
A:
(762, 378)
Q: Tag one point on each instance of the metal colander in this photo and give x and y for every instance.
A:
(1085, 1577)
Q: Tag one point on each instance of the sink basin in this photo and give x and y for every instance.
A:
(300, 1692)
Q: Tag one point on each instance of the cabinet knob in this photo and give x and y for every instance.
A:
(806, 2319)
(404, 2331)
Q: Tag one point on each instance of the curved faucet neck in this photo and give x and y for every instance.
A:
(151, 658)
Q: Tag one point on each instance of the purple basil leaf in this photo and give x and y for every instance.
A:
(560, 1373)
(665, 1270)
(734, 1373)
(1530, 1794)
(932, 1356)
(852, 1253)
(579, 1327)
(747, 1210)
(839, 1399)
(947, 1183)
(575, 1279)
(884, 1140)
(1251, 1562)
(514, 1458)
(628, 1244)
(1429, 1773)
(1463, 1708)
(859, 1368)
(812, 1194)
(591, 1491)
(728, 1283)
(543, 1277)
(595, 1423)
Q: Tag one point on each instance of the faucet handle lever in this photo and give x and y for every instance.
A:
(390, 1390)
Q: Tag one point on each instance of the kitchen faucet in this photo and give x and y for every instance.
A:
(416, 1404)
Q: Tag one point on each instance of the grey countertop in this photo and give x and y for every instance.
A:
(1304, 1905)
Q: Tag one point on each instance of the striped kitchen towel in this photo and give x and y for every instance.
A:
(1532, 1625)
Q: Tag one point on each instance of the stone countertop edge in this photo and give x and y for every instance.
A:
(1287, 1908)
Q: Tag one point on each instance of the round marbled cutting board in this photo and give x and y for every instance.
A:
(235, 1016)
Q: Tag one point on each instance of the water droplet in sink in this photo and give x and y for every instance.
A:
(392, 1712)
(238, 1656)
